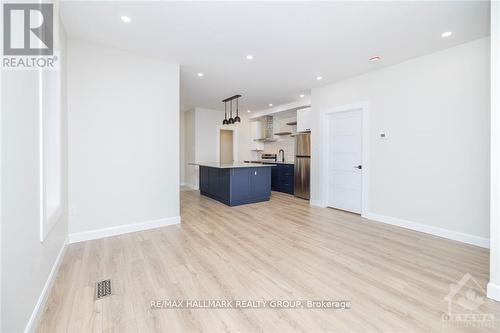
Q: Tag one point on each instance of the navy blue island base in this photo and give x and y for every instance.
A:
(236, 185)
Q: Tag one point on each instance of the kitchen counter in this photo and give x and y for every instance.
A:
(236, 183)
(232, 165)
(268, 162)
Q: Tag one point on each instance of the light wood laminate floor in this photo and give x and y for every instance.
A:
(396, 279)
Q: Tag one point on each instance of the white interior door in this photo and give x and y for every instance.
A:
(344, 160)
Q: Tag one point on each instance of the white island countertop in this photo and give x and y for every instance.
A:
(233, 165)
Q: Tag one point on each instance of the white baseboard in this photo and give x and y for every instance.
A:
(445, 233)
(122, 229)
(316, 203)
(42, 299)
(192, 186)
(493, 291)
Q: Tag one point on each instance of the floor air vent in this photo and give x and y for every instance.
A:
(102, 289)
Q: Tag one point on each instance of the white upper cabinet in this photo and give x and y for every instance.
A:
(304, 120)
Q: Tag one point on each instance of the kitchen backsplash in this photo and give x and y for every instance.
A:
(286, 143)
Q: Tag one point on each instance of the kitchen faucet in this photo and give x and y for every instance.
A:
(282, 156)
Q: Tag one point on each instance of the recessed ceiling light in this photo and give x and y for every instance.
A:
(200, 74)
(249, 111)
(319, 78)
(270, 104)
(375, 58)
(249, 57)
(126, 19)
(446, 34)
(302, 96)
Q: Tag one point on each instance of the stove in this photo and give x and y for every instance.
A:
(269, 157)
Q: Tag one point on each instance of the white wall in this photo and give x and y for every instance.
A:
(189, 146)
(201, 140)
(26, 262)
(244, 138)
(433, 169)
(494, 284)
(182, 153)
(207, 123)
(123, 140)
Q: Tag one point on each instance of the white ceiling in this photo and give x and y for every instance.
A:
(292, 42)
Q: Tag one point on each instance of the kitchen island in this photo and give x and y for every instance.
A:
(236, 184)
(282, 175)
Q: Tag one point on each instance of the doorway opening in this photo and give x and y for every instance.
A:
(226, 148)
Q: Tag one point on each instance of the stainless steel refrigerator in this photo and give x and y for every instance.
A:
(302, 165)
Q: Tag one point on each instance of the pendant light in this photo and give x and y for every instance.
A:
(237, 118)
(231, 120)
(224, 122)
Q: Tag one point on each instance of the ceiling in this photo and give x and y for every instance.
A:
(292, 42)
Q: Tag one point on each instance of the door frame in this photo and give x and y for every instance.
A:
(235, 142)
(364, 107)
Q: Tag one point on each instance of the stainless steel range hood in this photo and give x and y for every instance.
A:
(268, 133)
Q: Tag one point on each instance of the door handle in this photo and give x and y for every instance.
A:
(358, 167)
